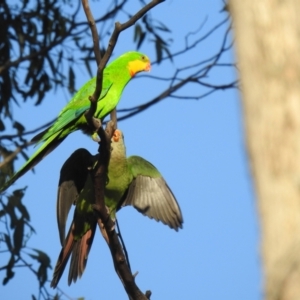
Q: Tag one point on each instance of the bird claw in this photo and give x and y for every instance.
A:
(97, 123)
(95, 137)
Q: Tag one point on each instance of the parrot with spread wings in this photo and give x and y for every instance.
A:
(131, 181)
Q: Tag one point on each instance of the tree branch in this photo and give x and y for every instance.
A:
(92, 25)
(105, 223)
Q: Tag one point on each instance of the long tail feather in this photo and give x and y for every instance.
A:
(41, 152)
(63, 257)
(80, 255)
(79, 251)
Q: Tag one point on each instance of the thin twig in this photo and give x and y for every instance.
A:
(123, 245)
(38, 129)
(12, 155)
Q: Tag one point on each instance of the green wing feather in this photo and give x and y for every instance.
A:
(135, 181)
(71, 117)
(45, 149)
(150, 194)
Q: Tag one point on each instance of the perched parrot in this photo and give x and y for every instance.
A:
(115, 77)
(131, 181)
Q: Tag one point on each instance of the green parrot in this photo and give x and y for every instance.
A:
(131, 181)
(115, 77)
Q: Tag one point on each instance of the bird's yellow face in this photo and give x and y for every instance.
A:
(139, 65)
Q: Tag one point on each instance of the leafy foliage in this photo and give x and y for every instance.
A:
(32, 35)
(14, 239)
(152, 29)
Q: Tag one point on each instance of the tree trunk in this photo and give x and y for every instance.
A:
(267, 35)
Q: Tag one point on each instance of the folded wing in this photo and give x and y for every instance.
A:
(73, 176)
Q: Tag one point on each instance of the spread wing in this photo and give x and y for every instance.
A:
(150, 194)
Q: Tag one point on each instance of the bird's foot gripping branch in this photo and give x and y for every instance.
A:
(95, 124)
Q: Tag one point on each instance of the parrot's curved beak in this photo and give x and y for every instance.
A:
(148, 67)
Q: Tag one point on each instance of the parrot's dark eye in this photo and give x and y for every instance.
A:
(143, 57)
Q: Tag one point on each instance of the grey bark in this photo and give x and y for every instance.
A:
(267, 38)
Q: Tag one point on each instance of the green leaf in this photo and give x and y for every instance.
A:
(18, 236)
(161, 26)
(23, 210)
(56, 297)
(44, 261)
(9, 275)
(15, 200)
(51, 64)
(8, 242)
(20, 128)
(158, 48)
(166, 49)
(139, 35)
(142, 38)
(60, 56)
(10, 210)
(71, 86)
(41, 257)
(137, 32)
(2, 126)
(88, 67)
(42, 274)
(9, 272)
